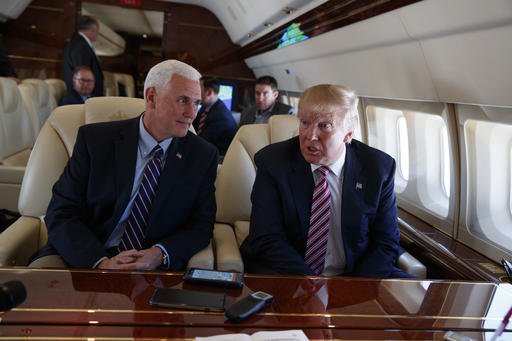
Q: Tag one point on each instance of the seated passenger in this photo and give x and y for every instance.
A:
(83, 84)
(266, 104)
(322, 203)
(111, 208)
(214, 122)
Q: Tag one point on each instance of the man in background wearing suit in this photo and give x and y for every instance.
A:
(99, 217)
(79, 51)
(266, 104)
(214, 122)
(322, 203)
(83, 84)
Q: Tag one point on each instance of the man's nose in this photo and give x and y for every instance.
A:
(311, 132)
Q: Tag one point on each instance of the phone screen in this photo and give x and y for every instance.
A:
(213, 275)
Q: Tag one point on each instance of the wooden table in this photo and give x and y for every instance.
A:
(113, 305)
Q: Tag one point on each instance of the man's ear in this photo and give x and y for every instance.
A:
(348, 137)
(275, 94)
(150, 96)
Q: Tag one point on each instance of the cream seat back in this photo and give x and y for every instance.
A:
(234, 186)
(29, 95)
(45, 101)
(57, 88)
(16, 139)
(127, 82)
(109, 84)
(51, 153)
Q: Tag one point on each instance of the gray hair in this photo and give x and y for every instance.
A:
(160, 74)
(332, 98)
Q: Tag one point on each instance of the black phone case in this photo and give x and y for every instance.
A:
(187, 277)
(188, 299)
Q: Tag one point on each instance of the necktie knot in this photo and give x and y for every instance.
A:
(322, 171)
(157, 152)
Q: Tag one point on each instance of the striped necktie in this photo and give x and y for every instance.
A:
(202, 123)
(137, 221)
(316, 246)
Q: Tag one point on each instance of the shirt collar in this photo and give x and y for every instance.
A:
(335, 167)
(147, 142)
(86, 39)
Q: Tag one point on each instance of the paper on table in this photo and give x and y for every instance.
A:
(284, 335)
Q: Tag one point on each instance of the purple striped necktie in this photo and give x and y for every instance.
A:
(316, 246)
(135, 227)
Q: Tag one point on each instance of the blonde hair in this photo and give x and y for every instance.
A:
(332, 98)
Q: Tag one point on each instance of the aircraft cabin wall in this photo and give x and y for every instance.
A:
(434, 79)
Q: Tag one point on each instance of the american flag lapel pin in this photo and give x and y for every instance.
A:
(359, 186)
(178, 155)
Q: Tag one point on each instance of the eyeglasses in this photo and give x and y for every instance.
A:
(84, 81)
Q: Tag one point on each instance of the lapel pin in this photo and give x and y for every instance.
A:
(178, 155)
(359, 186)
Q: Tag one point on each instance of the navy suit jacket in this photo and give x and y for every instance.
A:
(77, 52)
(71, 97)
(220, 126)
(281, 204)
(94, 190)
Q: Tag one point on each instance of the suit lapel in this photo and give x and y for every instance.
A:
(301, 184)
(354, 186)
(175, 165)
(126, 148)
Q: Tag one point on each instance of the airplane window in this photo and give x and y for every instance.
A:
(445, 164)
(403, 149)
(488, 163)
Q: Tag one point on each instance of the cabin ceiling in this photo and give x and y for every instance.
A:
(244, 20)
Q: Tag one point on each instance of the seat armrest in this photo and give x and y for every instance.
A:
(241, 231)
(204, 259)
(411, 265)
(19, 241)
(227, 253)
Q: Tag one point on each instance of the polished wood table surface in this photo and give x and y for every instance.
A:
(113, 305)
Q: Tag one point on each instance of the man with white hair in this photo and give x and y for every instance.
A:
(137, 194)
(323, 204)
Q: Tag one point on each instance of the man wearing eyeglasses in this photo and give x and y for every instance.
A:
(83, 84)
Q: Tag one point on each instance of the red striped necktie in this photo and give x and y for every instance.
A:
(202, 123)
(137, 221)
(316, 246)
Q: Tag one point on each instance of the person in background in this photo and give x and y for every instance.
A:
(83, 84)
(80, 51)
(6, 68)
(323, 203)
(266, 104)
(214, 122)
(137, 194)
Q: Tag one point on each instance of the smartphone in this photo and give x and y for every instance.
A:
(188, 299)
(214, 277)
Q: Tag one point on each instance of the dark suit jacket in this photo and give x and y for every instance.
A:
(6, 68)
(220, 126)
(94, 189)
(78, 52)
(249, 115)
(281, 203)
(71, 97)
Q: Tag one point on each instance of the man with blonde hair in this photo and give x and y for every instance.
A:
(137, 194)
(323, 204)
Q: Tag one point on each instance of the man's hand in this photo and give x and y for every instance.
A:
(147, 259)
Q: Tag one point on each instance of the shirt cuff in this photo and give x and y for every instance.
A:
(166, 261)
(95, 266)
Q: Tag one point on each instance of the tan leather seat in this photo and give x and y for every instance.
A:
(57, 88)
(50, 154)
(16, 139)
(45, 102)
(234, 186)
(125, 80)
